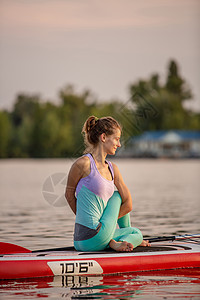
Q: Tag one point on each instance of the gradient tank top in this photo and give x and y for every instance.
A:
(92, 193)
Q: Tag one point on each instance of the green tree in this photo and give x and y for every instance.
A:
(175, 83)
(39, 135)
(5, 134)
(24, 106)
(161, 106)
(22, 117)
(21, 138)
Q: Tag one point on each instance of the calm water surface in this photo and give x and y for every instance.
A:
(166, 200)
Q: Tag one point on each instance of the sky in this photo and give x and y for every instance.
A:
(101, 45)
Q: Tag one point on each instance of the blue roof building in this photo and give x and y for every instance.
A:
(172, 144)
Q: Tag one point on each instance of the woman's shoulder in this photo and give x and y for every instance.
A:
(115, 169)
(84, 159)
(82, 162)
(80, 168)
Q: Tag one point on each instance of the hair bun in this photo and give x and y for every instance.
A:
(91, 122)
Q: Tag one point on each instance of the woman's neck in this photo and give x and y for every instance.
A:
(99, 155)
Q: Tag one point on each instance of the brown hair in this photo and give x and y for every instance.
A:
(94, 127)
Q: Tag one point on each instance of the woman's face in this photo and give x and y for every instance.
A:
(112, 142)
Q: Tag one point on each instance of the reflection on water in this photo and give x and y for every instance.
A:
(165, 201)
(154, 285)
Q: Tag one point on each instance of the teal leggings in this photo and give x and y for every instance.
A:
(108, 229)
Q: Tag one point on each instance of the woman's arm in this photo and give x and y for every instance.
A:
(78, 170)
(126, 206)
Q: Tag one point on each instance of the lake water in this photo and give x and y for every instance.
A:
(34, 214)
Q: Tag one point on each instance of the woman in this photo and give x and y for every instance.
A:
(91, 196)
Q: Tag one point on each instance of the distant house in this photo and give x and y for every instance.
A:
(172, 144)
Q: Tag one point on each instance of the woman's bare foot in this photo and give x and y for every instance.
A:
(121, 246)
(145, 243)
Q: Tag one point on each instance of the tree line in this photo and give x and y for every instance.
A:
(42, 129)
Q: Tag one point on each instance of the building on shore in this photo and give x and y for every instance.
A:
(164, 144)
